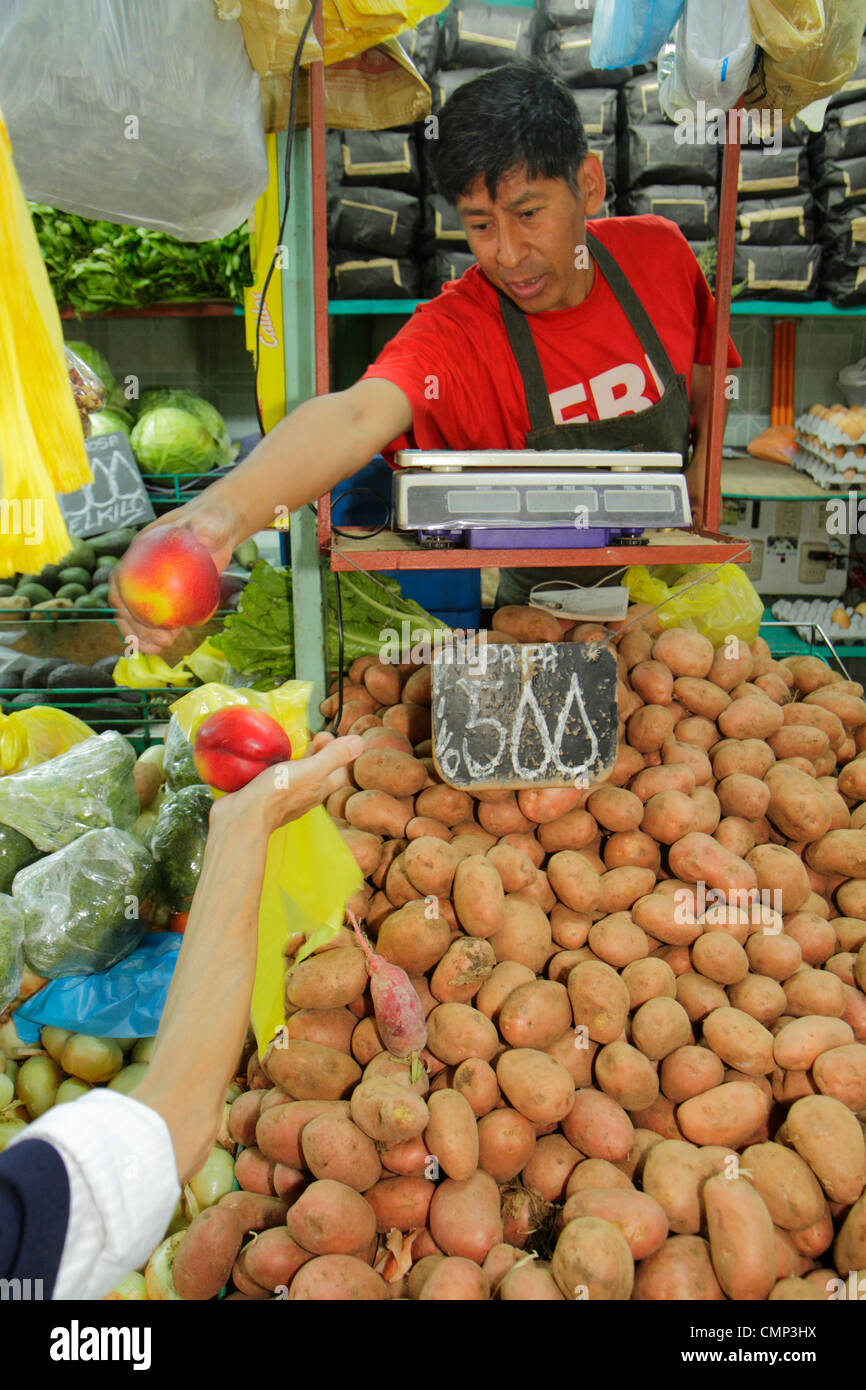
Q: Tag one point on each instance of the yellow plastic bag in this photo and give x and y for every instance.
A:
(310, 874)
(724, 604)
(796, 80)
(145, 672)
(29, 737)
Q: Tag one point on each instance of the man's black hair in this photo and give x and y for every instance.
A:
(510, 117)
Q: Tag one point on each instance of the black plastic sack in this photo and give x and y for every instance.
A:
(855, 88)
(424, 45)
(839, 182)
(445, 84)
(607, 152)
(562, 14)
(444, 266)
(442, 229)
(776, 221)
(777, 272)
(639, 99)
(844, 133)
(382, 158)
(651, 154)
(373, 277)
(693, 207)
(843, 281)
(476, 35)
(566, 53)
(768, 173)
(597, 108)
(843, 233)
(380, 220)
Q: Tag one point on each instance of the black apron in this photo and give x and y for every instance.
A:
(663, 426)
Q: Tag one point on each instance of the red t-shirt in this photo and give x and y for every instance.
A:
(454, 362)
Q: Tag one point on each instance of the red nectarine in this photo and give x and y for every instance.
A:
(232, 746)
(168, 579)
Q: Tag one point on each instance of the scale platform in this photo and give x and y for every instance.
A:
(617, 460)
(530, 507)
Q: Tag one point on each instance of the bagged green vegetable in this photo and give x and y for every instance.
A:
(178, 844)
(11, 950)
(16, 852)
(178, 763)
(725, 603)
(82, 905)
(88, 787)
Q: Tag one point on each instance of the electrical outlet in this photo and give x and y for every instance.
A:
(788, 518)
(755, 568)
(811, 571)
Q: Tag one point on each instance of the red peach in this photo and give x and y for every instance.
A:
(232, 746)
(167, 579)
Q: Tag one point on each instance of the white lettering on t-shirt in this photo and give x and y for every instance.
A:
(617, 391)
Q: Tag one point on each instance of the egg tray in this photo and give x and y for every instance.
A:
(827, 475)
(831, 433)
(807, 613)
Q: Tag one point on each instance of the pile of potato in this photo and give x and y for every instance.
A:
(645, 1073)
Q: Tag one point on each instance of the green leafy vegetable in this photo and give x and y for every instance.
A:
(169, 440)
(110, 421)
(259, 638)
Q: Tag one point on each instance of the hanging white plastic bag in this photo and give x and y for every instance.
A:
(147, 114)
(674, 94)
(628, 32)
(718, 50)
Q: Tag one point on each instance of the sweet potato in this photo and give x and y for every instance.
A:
(726, 1114)
(592, 1261)
(742, 1245)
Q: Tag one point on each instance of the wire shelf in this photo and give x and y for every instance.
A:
(790, 642)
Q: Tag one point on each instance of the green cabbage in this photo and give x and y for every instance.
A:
(109, 421)
(169, 440)
(203, 411)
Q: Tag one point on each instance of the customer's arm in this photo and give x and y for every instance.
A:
(700, 404)
(123, 1158)
(321, 443)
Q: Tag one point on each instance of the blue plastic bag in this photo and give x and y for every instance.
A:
(125, 1001)
(626, 33)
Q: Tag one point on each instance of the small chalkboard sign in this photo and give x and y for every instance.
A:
(117, 495)
(519, 716)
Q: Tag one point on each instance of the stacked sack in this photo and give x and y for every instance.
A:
(633, 1085)
(839, 168)
(777, 255)
(661, 176)
(374, 213)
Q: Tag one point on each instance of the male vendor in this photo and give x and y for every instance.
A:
(562, 336)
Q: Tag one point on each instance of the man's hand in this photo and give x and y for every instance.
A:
(287, 790)
(216, 526)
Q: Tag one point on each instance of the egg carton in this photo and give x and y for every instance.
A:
(827, 474)
(839, 456)
(834, 426)
(805, 614)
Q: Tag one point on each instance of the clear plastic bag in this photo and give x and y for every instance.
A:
(81, 906)
(11, 950)
(791, 83)
(146, 114)
(628, 32)
(87, 788)
(725, 604)
(719, 50)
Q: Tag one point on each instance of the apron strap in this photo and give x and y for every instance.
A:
(526, 353)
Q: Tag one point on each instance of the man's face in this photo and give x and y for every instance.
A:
(527, 241)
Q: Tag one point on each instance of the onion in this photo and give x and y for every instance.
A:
(155, 755)
(127, 1079)
(91, 1059)
(54, 1040)
(215, 1179)
(9, 1127)
(71, 1089)
(11, 1070)
(30, 984)
(143, 1050)
(131, 1289)
(126, 1044)
(180, 1219)
(157, 1275)
(7, 1090)
(10, 1041)
(38, 1080)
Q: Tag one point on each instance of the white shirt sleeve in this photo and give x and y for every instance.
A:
(123, 1187)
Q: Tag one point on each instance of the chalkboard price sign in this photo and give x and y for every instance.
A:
(525, 716)
(116, 497)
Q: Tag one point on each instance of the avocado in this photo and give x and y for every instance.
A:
(113, 542)
(103, 573)
(88, 601)
(41, 669)
(70, 676)
(100, 591)
(6, 591)
(74, 574)
(110, 714)
(105, 664)
(26, 700)
(81, 556)
(16, 852)
(34, 592)
(71, 590)
(49, 577)
(15, 674)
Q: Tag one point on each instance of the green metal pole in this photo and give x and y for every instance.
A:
(296, 266)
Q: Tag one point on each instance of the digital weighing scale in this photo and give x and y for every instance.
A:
(493, 499)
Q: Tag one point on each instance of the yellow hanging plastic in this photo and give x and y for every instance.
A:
(310, 874)
(724, 604)
(146, 672)
(29, 737)
(41, 440)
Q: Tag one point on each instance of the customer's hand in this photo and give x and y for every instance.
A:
(215, 525)
(287, 790)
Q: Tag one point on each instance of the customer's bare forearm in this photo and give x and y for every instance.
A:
(205, 1020)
